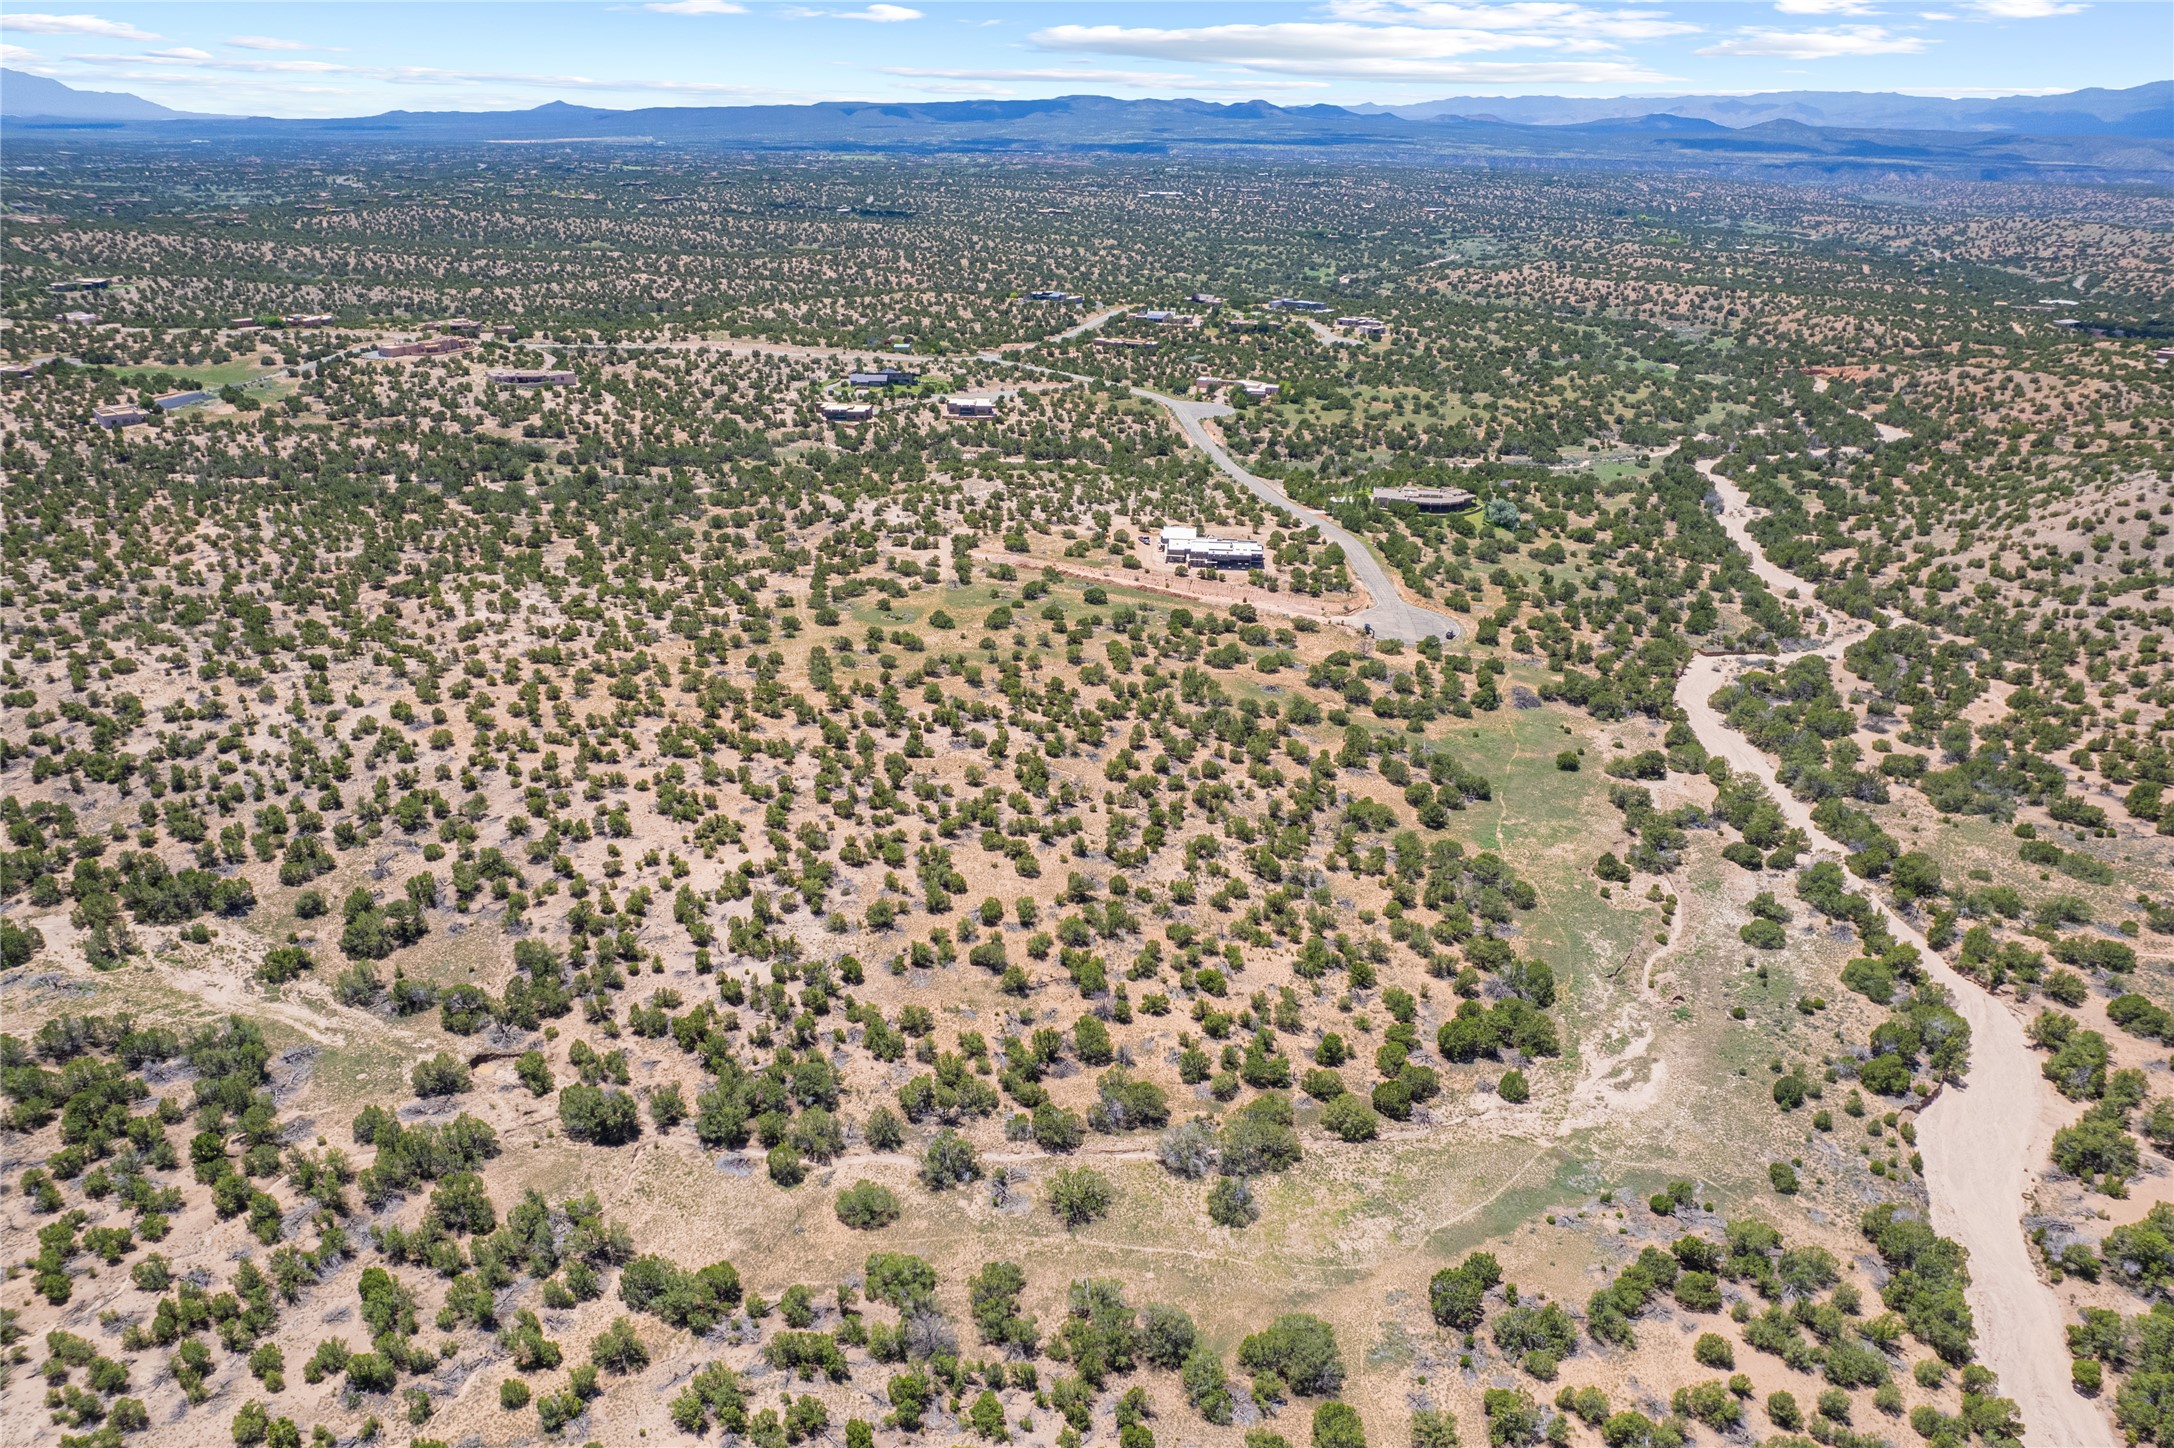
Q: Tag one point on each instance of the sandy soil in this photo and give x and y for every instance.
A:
(1980, 1140)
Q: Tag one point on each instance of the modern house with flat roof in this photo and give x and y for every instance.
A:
(119, 414)
(427, 347)
(1295, 304)
(970, 407)
(848, 411)
(175, 401)
(1184, 544)
(883, 377)
(1428, 500)
(531, 377)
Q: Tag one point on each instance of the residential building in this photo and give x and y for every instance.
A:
(175, 401)
(23, 371)
(78, 319)
(848, 411)
(245, 324)
(1183, 544)
(119, 414)
(883, 377)
(970, 406)
(308, 319)
(429, 346)
(1294, 304)
(426, 347)
(1260, 391)
(531, 377)
(1205, 299)
(82, 284)
(458, 326)
(1365, 326)
(1428, 500)
(1138, 343)
(1055, 297)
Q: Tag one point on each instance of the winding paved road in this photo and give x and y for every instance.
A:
(1980, 1138)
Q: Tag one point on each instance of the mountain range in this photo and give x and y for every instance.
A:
(24, 94)
(2091, 135)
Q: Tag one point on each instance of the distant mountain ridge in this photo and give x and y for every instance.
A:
(2122, 135)
(2138, 110)
(24, 94)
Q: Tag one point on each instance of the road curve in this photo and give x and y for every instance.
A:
(1980, 1137)
(1390, 617)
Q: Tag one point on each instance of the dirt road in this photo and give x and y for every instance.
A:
(1980, 1139)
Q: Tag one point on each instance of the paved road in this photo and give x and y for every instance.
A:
(1981, 1139)
(1391, 617)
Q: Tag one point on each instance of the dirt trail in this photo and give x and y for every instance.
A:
(1980, 1139)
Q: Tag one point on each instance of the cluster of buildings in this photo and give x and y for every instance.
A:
(1428, 500)
(1258, 391)
(1372, 327)
(531, 376)
(1182, 544)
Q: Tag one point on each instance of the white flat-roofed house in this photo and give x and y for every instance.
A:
(1175, 537)
(1221, 553)
(119, 414)
(970, 407)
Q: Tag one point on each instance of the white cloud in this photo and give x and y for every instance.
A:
(1828, 44)
(267, 42)
(1167, 82)
(18, 54)
(1356, 52)
(187, 57)
(2024, 9)
(35, 24)
(1543, 17)
(1096, 77)
(696, 7)
(1824, 7)
(880, 14)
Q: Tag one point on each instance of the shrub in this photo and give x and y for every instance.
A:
(1300, 1349)
(1231, 1203)
(1079, 1195)
(1337, 1425)
(441, 1075)
(1351, 1118)
(949, 1161)
(596, 1114)
(1513, 1087)
(1712, 1350)
(866, 1206)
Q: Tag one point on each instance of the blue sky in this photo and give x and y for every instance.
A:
(298, 58)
